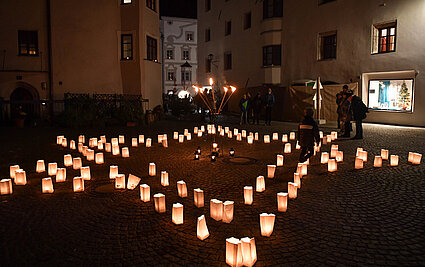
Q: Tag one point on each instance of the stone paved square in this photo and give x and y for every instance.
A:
(371, 216)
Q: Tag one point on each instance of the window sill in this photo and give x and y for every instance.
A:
(126, 59)
(271, 66)
(380, 53)
(153, 61)
(326, 59)
(28, 55)
(272, 18)
(390, 111)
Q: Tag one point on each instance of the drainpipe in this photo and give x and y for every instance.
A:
(49, 61)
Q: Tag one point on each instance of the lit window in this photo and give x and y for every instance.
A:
(327, 45)
(170, 76)
(227, 28)
(272, 55)
(384, 38)
(125, 2)
(28, 43)
(151, 45)
(186, 54)
(170, 54)
(272, 9)
(228, 61)
(395, 95)
(151, 4)
(126, 47)
(189, 36)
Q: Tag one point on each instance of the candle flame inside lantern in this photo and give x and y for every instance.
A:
(393, 160)
(164, 178)
(248, 195)
(159, 201)
(377, 162)
(279, 160)
(177, 213)
(201, 228)
(78, 184)
(282, 202)
(47, 185)
(182, 189)
(198, 197)
(358, 163)
(145, 193)
(267, 224)
(6, 187)
(133, 181)
(261, 184)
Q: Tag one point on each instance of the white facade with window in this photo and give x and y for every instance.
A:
(379, 44)
(179, 44)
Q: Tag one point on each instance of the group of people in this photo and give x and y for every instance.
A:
(350, 108)
(252, 107)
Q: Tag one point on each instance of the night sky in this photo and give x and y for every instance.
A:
(178, 8)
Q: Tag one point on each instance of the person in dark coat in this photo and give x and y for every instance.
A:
(243, 105)
(339, 99)
(249, 111)
(308, 134)
(358, 112)
(268, 103)
(257, 105)
(345, 114)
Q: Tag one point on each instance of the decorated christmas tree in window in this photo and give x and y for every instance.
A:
(404, 97)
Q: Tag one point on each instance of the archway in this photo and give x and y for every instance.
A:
(23, 102)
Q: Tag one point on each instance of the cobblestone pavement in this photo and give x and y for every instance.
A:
(372, 216)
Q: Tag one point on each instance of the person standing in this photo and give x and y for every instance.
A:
(308, 133)
(268, 103)
(249, 111)
(257, 105)
(243, 105)
(358, 110)
(339, 99)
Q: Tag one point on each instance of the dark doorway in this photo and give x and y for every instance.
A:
(23, 104)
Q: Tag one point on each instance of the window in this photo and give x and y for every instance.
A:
(170, 54)
(186, 54)
(384, 38)
(207, 65)
(126, 47)
(207, 5)
(189, 36)
(170, 76)
(247, 21)
(227, 27)
(28, 43)
(207, 35)
(327, 46)
(321, 2)
(151, 4)
(272, 55)
(394, 95)
(151, 45)
(125, 2)
(186, 76)
(228, 61)
(272, 9)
